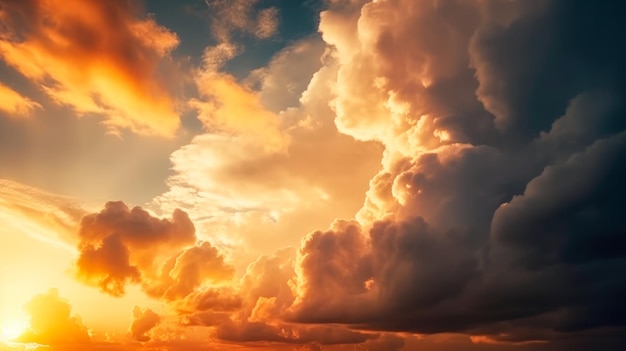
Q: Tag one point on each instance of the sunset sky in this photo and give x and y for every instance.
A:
(342, 175)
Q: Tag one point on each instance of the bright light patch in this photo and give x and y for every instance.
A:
(10, 330)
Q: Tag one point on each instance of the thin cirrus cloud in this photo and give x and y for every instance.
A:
(95, 57)
(242, 16)
(47, 217)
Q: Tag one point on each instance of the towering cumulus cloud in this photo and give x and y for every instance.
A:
(94, 56)
(496, 212)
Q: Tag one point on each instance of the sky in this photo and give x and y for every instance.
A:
(341, 175)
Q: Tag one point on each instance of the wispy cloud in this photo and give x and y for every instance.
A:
(96, 57)
(15, 104)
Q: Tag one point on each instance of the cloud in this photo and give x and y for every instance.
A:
(215, 168)
(51, 322)
(231, 108)
(233, 188)
(242, 16)
(95, 57)
(499, 147)
(15, 104)
(287, 76)
(120, 245)
(48, 217)
(268, 21)
(350, 277)
(498, 192)
(568, 212)
(189, 270)
(107, 266)
(259, 331)
(253, 311)
(543, 85)
(144, 320)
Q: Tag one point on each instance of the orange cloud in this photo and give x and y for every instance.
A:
(51, 322)
(96, 57)
(285, 171)
(120, 245)
(227, 106)
(53, 218)
(15, 104)
(143, 322)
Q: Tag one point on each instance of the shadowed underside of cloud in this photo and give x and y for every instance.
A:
(144, 320)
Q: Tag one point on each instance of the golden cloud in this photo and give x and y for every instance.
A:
(15, 104)
(49, 217)
(120, 245)
(51, 322)
(97, 57)
(144, 320)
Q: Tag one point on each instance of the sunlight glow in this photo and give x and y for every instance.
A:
(10, 330)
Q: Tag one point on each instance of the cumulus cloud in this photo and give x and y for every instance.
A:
(144, 320)
(348, 276)
(96, 57)
(253, 312)
(51, 322)
(498, 190)
(120, 245)
(279, 176)
(243, 176)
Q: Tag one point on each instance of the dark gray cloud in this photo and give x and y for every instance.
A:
(510, 227)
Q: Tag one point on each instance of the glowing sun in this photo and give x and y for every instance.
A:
(9, 330)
